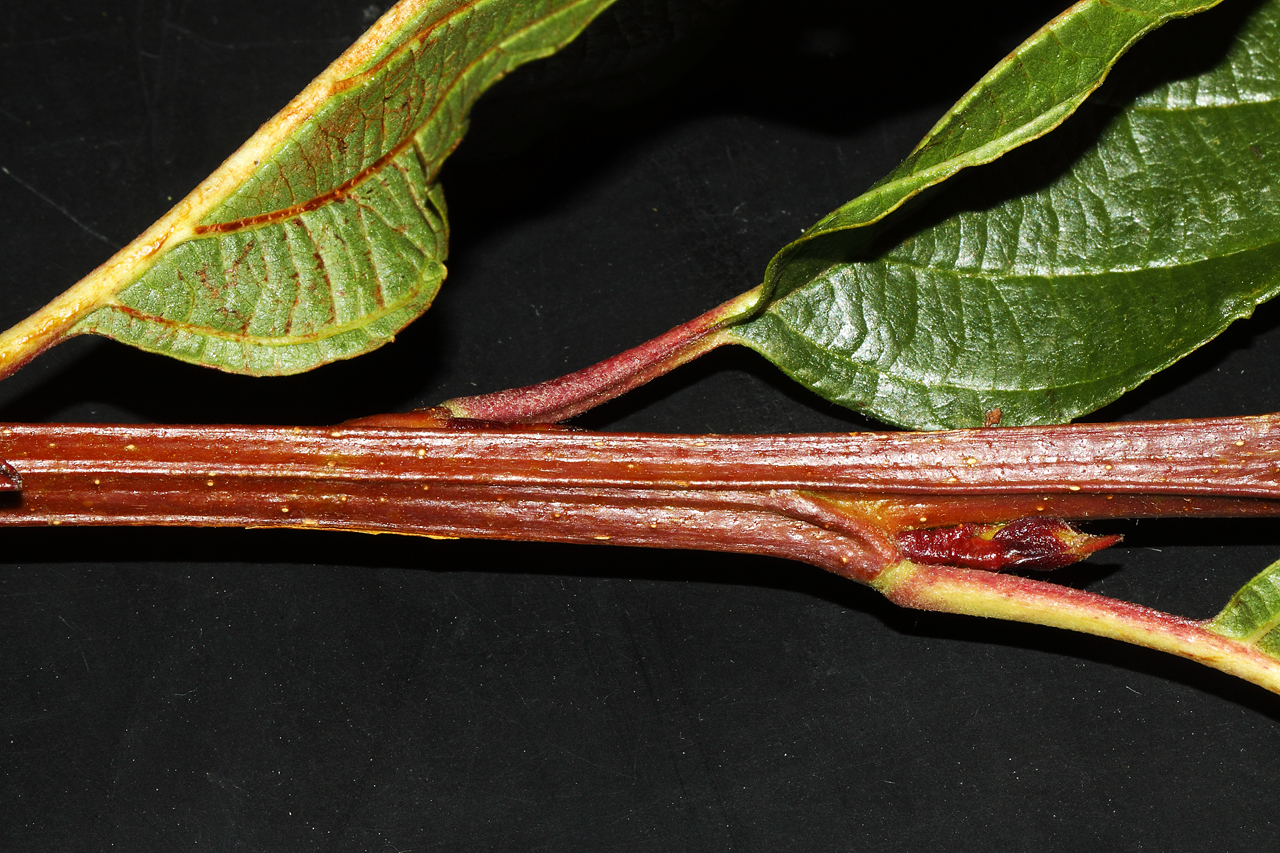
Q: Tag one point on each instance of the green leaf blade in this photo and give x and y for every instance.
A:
(1025, 96)
(988, 351)
(1252, 616)
(417, 92)
(282, 298)
(1049, 304)
(326, 234)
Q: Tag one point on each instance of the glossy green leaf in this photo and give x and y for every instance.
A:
(1029, 93)
(325, 234)
(1136, 234)
(1252, 616)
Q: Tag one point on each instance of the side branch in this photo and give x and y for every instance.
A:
(974, 593)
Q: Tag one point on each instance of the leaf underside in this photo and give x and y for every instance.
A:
(1130, 237)
(336, 240)
(1253, 614)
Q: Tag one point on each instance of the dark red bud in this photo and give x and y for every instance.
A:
(1027, 543)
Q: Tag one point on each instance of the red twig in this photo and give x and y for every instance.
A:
(837, 501)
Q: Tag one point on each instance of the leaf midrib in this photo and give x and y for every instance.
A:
(1191, 108)
(942, 384)
(276, 341)
(976, 156)
(1267, 627)
(1056, 277)
(1085, 273)
(939, 385)
(953, 165)
(349, 186)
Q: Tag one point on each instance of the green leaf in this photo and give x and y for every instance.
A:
(1052, 303)
(325, 234)
(1029, 93)
(1252, 616)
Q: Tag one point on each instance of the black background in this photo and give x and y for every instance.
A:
(280, 690)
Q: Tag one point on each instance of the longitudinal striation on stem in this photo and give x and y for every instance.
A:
(716, 491)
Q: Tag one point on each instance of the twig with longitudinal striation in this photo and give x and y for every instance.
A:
(928, 519)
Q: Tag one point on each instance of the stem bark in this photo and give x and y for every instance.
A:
(839, 502)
